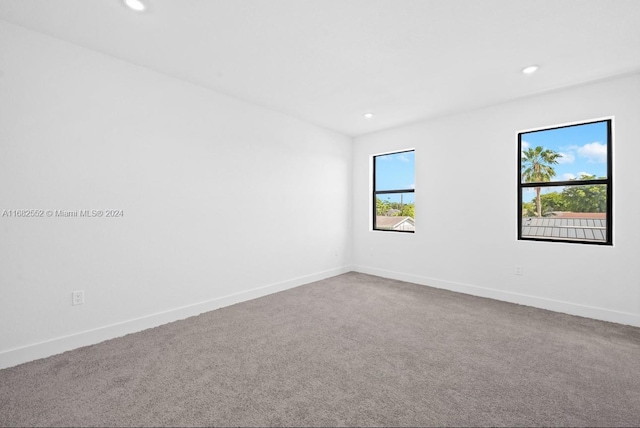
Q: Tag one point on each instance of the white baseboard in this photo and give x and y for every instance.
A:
(521, 299)
(58, 345)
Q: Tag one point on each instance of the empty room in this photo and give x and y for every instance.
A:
(319, 213)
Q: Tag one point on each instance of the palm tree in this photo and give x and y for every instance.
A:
(536, 168)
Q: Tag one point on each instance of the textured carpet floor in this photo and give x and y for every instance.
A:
(350, 350)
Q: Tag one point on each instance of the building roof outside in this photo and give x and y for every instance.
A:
(395, 222)
(580, 226)
(569, 214)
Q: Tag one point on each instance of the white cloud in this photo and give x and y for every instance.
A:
(566, 157)
(402, 157)
(412, 186)
(525, 145)
(570, 176)
(594, 152)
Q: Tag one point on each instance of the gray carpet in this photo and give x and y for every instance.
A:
(350, 350)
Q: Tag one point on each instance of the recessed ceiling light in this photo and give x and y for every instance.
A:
(529, 70)
(368, 115)
(137, 5)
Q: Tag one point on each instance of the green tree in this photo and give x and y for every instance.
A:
(382, 206)
(553, 201)
(394, 209)
(408, 210)
(586, 199)
(536, 168)
(528, 209)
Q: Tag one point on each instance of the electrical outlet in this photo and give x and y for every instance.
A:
(519, 270)
(77, 297)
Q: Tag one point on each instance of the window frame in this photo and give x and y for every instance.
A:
(375, 192)
(570, 183)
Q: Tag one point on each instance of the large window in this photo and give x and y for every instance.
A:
(393, 192)
(565, 183)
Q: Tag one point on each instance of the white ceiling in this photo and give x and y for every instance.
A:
(330, 61)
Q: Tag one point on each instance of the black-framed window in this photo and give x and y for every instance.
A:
(393, 192)
(565, 183)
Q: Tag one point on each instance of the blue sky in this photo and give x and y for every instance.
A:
(396, 171)
(583, 149)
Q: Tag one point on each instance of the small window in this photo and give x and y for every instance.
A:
(565, 182)
(393, 192)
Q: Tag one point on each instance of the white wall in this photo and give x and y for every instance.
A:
(466, 177)
(80, 130)
(219, 197)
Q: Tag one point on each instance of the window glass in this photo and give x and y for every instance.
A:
(394, 192)
(564, 188)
